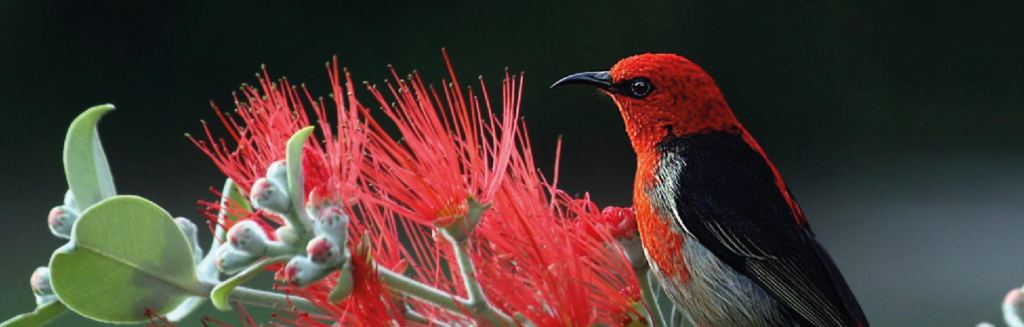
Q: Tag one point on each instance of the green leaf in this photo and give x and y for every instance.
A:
(85, 165)
(41, 316)
(220, 293)
(296, 188)
(186, 308)
(126, 255)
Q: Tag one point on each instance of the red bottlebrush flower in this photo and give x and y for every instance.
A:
(538, 263)
(531, 258)
(538, 252)
(268, 115)
(602, 248)
(450, 149)
(574, 278)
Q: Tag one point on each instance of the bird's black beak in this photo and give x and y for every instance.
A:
(601, 80)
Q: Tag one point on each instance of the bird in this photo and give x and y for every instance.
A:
(721, 231)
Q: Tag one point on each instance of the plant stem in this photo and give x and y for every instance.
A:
(407, 286)
(468, 272)
(42, 315)
(477, 301)
(282, 249)
(271, 299)
(300, 223)
(476, 305)
(643, 275)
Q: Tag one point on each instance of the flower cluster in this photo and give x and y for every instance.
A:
(448, 222)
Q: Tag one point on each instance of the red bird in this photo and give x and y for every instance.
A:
(723, 234)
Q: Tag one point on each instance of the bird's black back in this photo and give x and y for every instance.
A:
(728, 199)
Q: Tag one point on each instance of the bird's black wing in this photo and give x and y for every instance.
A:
(727, 197)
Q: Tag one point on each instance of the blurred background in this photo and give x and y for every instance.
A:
(897, 124)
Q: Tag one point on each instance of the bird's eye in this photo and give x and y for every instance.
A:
(640, 87)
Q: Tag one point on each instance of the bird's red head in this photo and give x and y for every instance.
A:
(661, 95)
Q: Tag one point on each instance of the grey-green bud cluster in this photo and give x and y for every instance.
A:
(322, 257)
(41, 286)
(192, 234)
(247, 242)
(302, 271)
(231, 260)
(63, 217)
(332, 223)
(247, 236)
(1013, 307)
(271, 193)
(287, 234)
(326, 252)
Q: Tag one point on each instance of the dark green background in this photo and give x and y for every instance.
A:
(896, 124)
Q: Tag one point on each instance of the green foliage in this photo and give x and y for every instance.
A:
(85, 165)
(126, 255)
(296, 188)
(42, 315)
(90, 181)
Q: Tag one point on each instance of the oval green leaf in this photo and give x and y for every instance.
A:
(186, 308)
(126, 256)
(85, 164)
(41, 316)
(296, 188)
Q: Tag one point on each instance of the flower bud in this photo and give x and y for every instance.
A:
(301, 271)
(333, 223)
(247, 236)
(230, 260)
(192, 235)
(286, 234)
(1013, 307)
(316, 203)
(322, 251)
(271, 196)
(61, 219)
(187, 227)
(620, 222)
(41, 287)
(278, 172)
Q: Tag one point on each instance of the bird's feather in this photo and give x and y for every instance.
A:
(728, 199)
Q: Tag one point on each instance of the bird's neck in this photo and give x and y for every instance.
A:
(651, 127)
